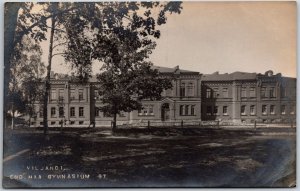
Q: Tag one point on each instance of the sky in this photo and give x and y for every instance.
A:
(225, 37)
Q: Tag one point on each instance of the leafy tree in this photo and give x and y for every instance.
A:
(114, 33)
(26, 71)
(121, 35)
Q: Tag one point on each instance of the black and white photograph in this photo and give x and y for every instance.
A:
(111, 94)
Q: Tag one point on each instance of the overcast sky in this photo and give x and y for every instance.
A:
(226, 37)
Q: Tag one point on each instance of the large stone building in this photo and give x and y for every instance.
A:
(237, 97)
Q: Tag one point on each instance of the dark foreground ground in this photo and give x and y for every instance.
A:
(189, 157)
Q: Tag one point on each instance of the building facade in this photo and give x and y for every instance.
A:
(237, 97)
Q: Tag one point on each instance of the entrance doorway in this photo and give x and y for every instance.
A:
(165, 112)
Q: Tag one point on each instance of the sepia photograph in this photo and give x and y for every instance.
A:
(166, 94)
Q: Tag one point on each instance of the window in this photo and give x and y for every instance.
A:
(272, 92)
(147, 110)
(187, 110)
(151, 110)
(190, 89)
(243, 110)
(52, 122)
(208, 110)
(53, 111)
(81, 112)
(215, 92)
(216, 110)
(264, 110)
(252, 110)
(72, 111)
(97, 112)
(80, 122)
(244, 92)
(80, 94)
(292, 110)
(193, 110)
(181, 110)
(252, 92)
(225, 92)
(263, 92)
(282, 110)
(283, 92)
(225, 108)
(72, 122)
(61, 95)
(182, 90)
(208, 93)
(122, 114)
(41, 112)
(272, 109)
(61, 111)
(53, 94)
(96, 94)
(72, 96)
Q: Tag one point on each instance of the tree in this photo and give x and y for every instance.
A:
(121, 35)
(99, 31)
(26, 71)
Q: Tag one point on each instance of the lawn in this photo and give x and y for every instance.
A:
(181, 157)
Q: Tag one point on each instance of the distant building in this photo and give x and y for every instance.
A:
(237, 98)
(246, 97)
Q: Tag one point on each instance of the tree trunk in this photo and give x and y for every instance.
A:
(10, 23)
(114, 122)
(47, 82)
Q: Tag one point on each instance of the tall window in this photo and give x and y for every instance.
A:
(282, 92)
(97, 112)
(216, 110)
(53, 111)
(225, 92)
(190, 89)
(272, 92)
(272, 109)
(292, 110)
(243, 110)
(150, 109)
(182, 90)
(263, 92)
(81, 112)
(61, 95)
(252, 92)
(53, 94)
(80, 94)
(96, 94)
(208, 93)
(72, 111)
(244, 92)
(282, 110)
(61, 111)
(215, 92)
(225, 110)
(72, 96)
(252, 110)
(181, 110)
(193, 110)
(41, 111)
(186, 110)
(264, 109)
(208, 110)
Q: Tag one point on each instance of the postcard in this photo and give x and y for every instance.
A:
(149, 94)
